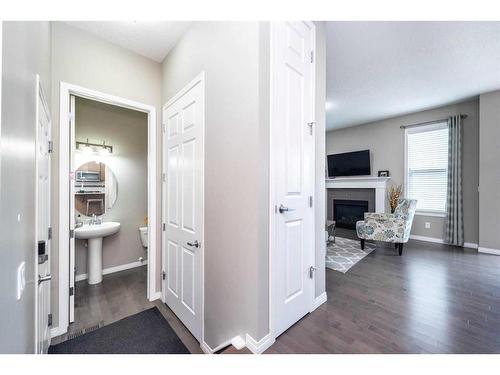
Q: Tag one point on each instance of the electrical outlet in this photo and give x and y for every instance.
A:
(427, 225)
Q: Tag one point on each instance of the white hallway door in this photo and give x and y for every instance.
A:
(183, 209)
(43, 223)
(293, 148)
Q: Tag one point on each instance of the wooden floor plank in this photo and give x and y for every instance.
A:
(434, 299)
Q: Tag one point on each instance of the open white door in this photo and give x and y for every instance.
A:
(292, 148)
(183, 207)
(43, 230)
(71, 218)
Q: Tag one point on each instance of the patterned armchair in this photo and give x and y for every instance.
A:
(393, 228)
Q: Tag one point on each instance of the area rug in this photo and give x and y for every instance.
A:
(345, 253)
(144, 333)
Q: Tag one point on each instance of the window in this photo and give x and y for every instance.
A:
(427, 167)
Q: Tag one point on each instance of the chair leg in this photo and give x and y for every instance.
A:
(400, 249)
(362, 243)
(396, 245)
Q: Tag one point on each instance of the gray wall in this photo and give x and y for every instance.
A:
(25, 53)
(83, 59)
(236, 208)
(386, 142)
(127, 131)
(489, 171)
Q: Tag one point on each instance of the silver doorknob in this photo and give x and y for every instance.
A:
(41, 279)
(194, 244)
(285, 209)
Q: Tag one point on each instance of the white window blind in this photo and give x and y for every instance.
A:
(427, 166)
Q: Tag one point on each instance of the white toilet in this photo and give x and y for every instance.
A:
(143, 231)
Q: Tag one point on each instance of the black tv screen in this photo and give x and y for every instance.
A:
(355, 163)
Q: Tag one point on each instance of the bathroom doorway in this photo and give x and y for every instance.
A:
(107, 209)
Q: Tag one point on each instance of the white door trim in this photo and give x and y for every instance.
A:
(40, 97)
(273, 183)
(154, 198)
(199, 79)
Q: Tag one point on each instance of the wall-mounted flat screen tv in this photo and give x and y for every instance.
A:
(355, 163)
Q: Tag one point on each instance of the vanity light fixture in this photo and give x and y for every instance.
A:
(88, 147)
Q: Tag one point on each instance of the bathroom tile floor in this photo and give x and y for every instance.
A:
(120, 294)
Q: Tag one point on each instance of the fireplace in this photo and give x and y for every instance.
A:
(346, 212)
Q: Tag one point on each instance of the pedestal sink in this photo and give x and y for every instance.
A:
(94, 234)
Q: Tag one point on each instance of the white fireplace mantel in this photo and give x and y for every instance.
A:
(377, 183)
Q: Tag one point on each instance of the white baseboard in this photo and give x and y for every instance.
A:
(487, 250)
(469, 245)
(55, 331)
(107, 271)
(208, 350)
(258, 347)
(318, 301)
(155, 296)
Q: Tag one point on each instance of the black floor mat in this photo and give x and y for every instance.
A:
(144, 333)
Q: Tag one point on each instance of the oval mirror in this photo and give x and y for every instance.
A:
(96, 189)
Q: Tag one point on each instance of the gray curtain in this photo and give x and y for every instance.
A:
(454, 227)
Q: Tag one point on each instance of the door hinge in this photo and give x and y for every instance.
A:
(163, 275)
(71, 233)
(50, 147)
(310, 201)
(163, 227)
(71, 291)
(49, 320)
(312, 269)
(312, 56)
(311, 125)
(49, 233)
(164, 127)
(164, 177)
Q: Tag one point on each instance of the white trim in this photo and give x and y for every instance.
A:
(319, 300)
(426, 239)
(486, 250)
(368, 182)
(155, 296)
(469, 245)
(208, 350)
(269, 339)
(56, 331)
(107, 271)
(258, 347)
(66, 90)
(430, 213)
(199, 79)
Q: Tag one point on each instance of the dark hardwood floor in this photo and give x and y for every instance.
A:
(433, 299)
(120, 294)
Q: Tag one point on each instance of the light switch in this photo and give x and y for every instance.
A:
(427, 225)
(21, 279)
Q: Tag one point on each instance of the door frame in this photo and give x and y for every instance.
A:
(199, 79)
(154, 197)
(273, 201)
(41, 95)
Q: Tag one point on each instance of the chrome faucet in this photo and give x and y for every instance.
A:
(95, 220)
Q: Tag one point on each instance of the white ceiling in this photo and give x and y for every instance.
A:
(377, 70)
(150, 39)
